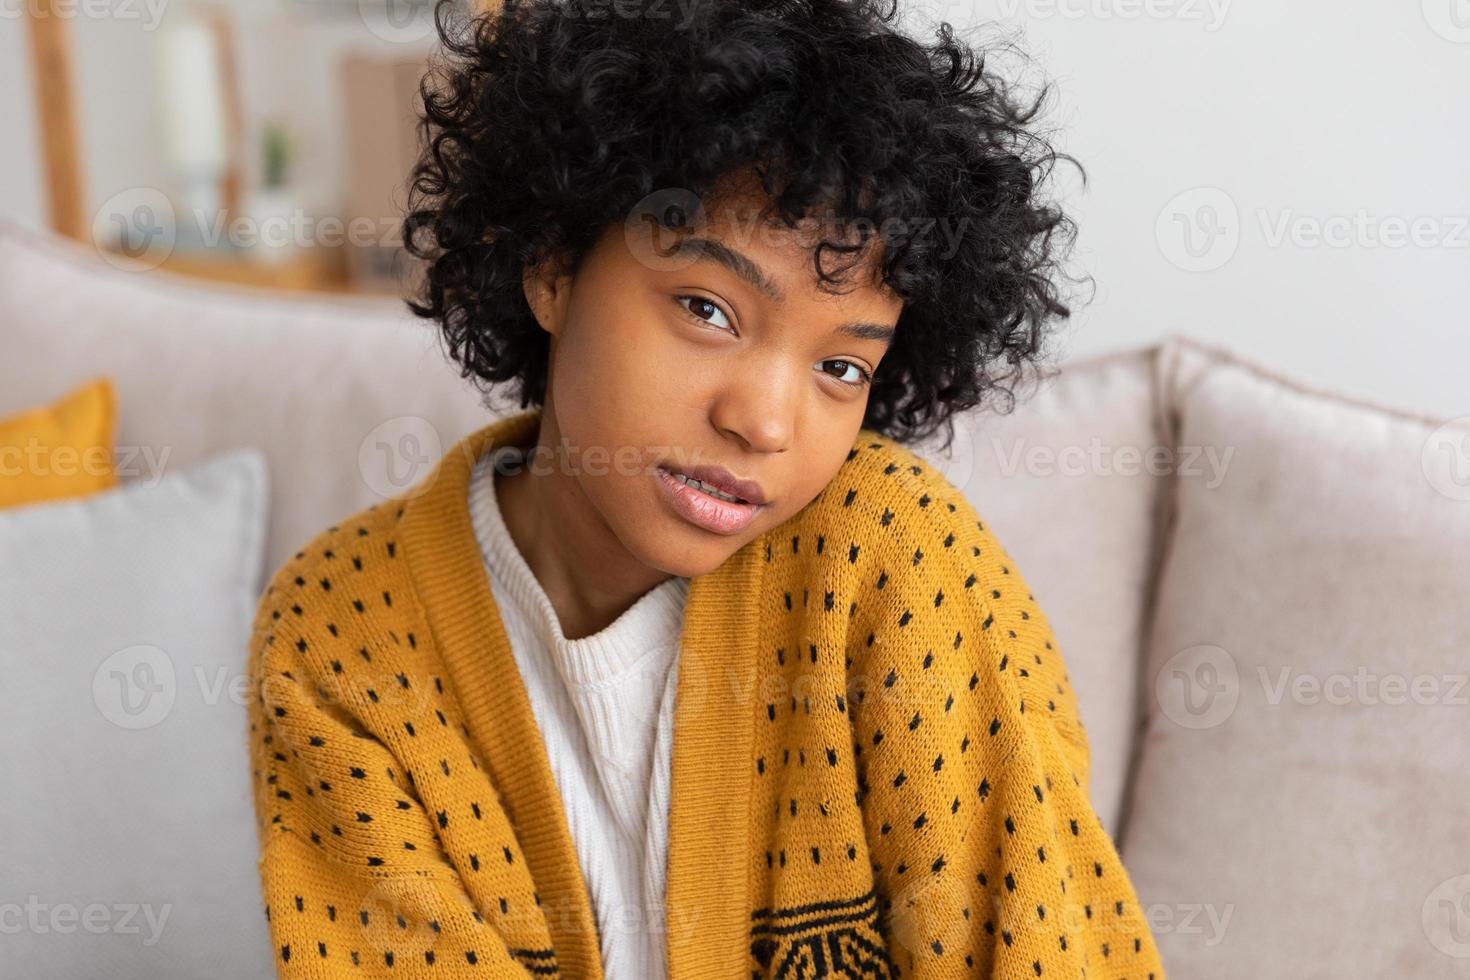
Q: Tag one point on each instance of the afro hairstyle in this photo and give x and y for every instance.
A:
(545, 121)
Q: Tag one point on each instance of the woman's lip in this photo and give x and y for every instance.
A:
(704, 510)
(717, 476)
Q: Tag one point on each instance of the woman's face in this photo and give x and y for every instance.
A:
(668, 355)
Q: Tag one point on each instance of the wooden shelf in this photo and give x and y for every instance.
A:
(317, 269)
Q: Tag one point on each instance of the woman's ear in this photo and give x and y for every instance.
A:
(548, 287)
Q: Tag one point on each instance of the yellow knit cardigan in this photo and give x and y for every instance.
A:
(878, 770)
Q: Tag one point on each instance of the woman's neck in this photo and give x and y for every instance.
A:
(588, 575)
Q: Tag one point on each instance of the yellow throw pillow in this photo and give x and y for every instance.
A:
(59, 450)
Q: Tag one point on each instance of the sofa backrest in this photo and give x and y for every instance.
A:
(349, 397)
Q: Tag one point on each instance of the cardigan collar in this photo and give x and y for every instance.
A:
(709, 812)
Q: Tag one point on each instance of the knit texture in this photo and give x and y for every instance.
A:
(604, 707)
(879, 768)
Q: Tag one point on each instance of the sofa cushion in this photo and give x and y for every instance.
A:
(1299, 806)
(60, 449)
(1069, 481)
(350, 397)
(127, 832)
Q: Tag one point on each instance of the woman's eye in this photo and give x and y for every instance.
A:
(702, 309)
(848, 372)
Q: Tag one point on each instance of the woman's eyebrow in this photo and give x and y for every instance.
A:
(867, 331)
(749, 271)
(736, 262)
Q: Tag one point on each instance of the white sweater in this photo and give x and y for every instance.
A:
(604, 704)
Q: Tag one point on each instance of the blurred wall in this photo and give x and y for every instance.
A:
(20, 165)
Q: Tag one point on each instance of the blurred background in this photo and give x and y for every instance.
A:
(287, 128)
(1285, 178)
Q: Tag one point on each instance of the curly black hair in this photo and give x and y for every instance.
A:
(545, 121)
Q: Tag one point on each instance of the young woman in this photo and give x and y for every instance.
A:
(689, 668)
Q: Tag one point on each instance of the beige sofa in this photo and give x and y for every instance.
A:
(1262, 590)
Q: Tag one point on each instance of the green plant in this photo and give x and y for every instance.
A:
(278, 150)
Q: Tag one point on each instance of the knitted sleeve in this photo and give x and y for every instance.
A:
(354, 878)
(974, 765)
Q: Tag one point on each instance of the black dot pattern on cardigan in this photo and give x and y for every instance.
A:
(919, 732)
(918, 780)
(377, 820)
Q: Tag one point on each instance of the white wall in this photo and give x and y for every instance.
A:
(1298, 111)
(1308, 112)
(20, 172)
